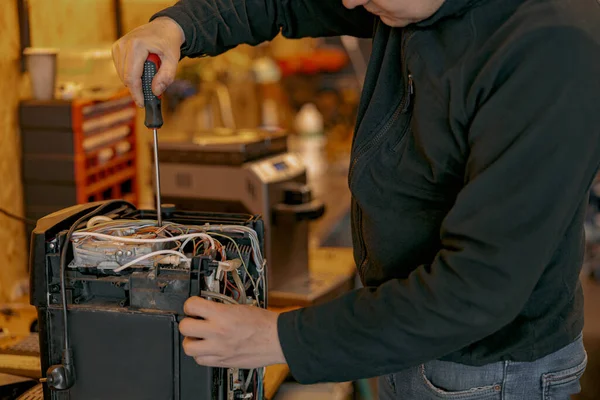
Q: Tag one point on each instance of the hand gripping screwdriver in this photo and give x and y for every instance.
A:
(153, 119)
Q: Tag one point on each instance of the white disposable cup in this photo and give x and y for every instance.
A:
(41, 64)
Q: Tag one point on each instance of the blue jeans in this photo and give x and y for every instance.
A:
(554, 377)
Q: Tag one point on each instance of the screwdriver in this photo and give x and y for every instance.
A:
(153, 119)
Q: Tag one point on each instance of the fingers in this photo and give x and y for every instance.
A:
(165, 75)
(199, 307)
(196, 328)
(204, 353)
(129, 63)
(211, 361)
(133, 68)
(198, 347)
(116, 56)
(161, 36)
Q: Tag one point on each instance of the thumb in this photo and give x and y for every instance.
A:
(164, 77)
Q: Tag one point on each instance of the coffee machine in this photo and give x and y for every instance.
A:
(250, 171)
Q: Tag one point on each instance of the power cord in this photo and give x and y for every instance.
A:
(18, 218)
(61, 376)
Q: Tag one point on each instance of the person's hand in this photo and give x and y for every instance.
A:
(230, 336)
(162, 36)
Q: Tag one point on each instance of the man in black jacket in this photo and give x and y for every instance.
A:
(477, 139)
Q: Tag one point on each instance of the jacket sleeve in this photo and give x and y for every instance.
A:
(212, 27)
(534, 139)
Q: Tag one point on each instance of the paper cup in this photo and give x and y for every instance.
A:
(41, 64)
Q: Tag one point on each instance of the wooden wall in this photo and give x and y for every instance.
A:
(137, 12)
(13, 252)
(68, 23)
(86, 22)
(54, 23)
(65, 24)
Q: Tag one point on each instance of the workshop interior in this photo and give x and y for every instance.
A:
(231, 186)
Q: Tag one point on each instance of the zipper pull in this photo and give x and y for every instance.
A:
(410, 91)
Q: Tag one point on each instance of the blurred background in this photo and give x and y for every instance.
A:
(265, 86)
(308, 88)
(57, 77)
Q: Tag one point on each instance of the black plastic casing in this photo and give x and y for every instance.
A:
(123, 329)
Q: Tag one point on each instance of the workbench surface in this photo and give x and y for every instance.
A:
(337, 261)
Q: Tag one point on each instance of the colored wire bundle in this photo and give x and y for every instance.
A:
(178, 237)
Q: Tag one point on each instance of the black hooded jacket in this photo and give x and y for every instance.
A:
(477, 139)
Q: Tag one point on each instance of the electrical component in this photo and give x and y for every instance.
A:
(123, 291)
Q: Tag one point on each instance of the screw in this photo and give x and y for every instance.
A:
(129, 253)
(52, 245)
(119, 253)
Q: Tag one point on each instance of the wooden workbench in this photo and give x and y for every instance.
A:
(337, 261)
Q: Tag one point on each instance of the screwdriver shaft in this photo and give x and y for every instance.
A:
(157, 179)
(153, 120)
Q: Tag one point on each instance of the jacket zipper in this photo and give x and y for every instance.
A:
(402, 108)
(410, 90)
(359, 234)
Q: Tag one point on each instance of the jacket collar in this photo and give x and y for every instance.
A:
(450, 8)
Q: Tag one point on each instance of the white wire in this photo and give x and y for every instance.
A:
(237, 248)
(154, 253)
(248, 380)
(140, 240)
(257, 255)
(219, 296)
(119, 224)
(95, 220)
(212, 242)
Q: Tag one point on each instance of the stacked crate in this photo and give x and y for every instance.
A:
(78, 151)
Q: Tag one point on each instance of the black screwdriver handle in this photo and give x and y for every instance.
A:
(152, 105)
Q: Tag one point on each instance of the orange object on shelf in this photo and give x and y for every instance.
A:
(116, 176)
(320, 60)
(78, 151)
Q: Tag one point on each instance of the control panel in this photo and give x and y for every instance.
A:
(278, 168)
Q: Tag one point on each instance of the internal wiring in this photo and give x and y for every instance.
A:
(149, 255)
(261, 377)
(240, 286)
(239, 251)
(219, 296)
(232, 289)
(124, 239)
(200, 236)
(256, 253)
